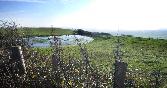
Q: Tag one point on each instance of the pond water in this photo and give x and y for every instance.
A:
(65, 40)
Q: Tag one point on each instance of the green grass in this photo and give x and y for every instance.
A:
(45, 31)
(143, 55)
(140, 54)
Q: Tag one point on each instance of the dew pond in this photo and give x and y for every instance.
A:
(65, 40)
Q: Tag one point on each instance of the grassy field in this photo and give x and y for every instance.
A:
(45, 31)
(141, 51)
(143, 55)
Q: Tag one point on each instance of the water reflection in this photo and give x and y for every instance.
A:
(65, 40)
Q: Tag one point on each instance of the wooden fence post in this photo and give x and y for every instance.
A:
(17, 61)
(11, 68)
(119, 74)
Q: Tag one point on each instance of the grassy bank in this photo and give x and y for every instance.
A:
(45, 31)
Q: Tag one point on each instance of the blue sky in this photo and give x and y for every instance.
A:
(38, 12)
(93, 15)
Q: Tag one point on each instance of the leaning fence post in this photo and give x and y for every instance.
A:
(120, 74)
(17, 61)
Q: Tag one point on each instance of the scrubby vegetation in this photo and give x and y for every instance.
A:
(90, 65)
(91, 34)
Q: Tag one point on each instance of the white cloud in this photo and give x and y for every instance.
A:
(128, 14)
